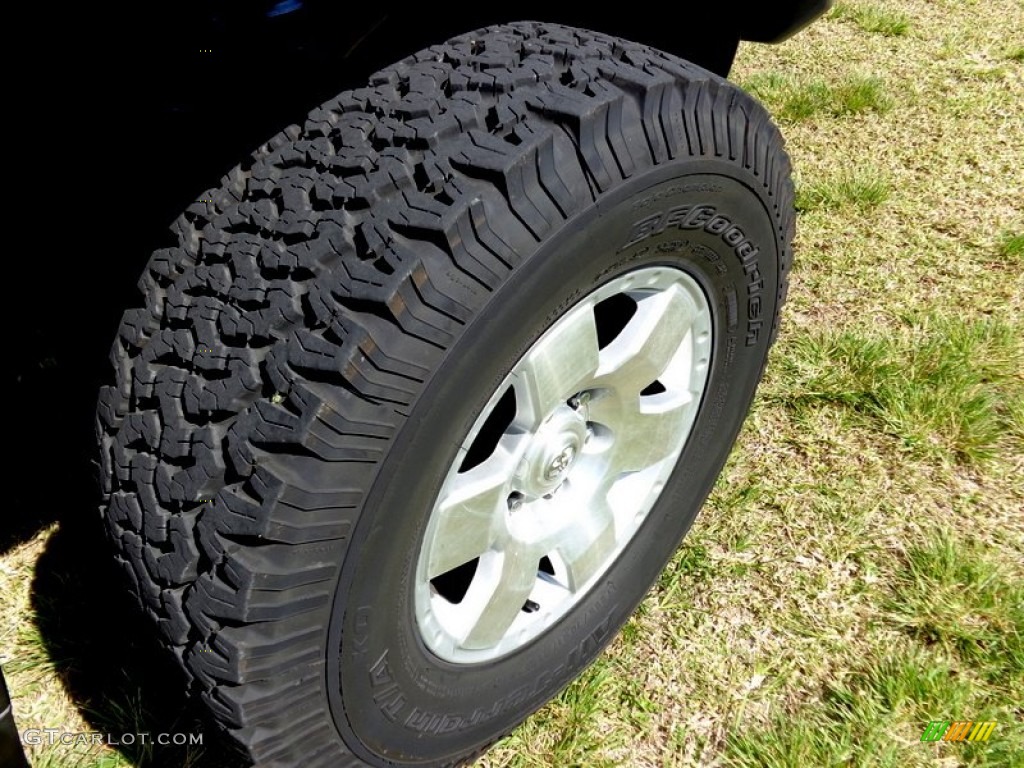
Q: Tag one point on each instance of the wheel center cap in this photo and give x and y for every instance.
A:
(561, 463)
(553, 449)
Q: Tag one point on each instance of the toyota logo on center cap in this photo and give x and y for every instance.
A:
(561, 462)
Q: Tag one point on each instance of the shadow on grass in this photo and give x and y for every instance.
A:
(109, 659)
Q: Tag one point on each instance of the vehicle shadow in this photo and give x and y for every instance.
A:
(102, 648)
(109, 660)
(146, 154)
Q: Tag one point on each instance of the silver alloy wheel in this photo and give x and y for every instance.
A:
(563, 465)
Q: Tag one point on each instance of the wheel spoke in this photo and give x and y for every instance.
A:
(608, 408)
(646, 433)
(499, 593)
(586, 548)
(645, 347)
(470, 512)
(556, 367)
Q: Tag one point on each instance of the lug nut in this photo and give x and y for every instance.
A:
(580, 400)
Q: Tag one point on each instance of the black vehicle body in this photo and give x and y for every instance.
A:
(326, 30)
(319, 46)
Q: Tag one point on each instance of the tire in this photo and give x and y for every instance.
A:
(327, 351)
(11, 753)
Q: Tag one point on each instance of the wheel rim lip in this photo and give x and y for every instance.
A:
(434, 627)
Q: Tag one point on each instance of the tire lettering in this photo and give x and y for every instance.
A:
(716, 406)
(386, 693)
(634, 256)
(361, 632)
(744, 250)
(706, 217)
(643, 229)
(731, 305)
(424, 722)
(700, 216)
(675, 217)
(718, 225)
(674, 191)
(733, 236)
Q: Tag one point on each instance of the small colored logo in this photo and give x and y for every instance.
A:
(959, 730)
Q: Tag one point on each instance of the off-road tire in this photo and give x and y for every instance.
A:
(277, 420)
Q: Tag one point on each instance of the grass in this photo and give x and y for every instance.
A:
(566, 731)
(963, 651)
(943, 387)
(1011, 247)
(951, 595)
(873, 19)
(858, 568)
(875, 716)
(860, 190)
(791, 99)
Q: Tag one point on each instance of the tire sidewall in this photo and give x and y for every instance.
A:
(389, 695)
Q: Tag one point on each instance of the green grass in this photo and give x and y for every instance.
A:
(1016, 53)
(873, 19)
(1011, 246)
(962, 617)
(860, 190)
(691, 563)
(875, 717)
(957, 597)
(793, 99)
(943, 386)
